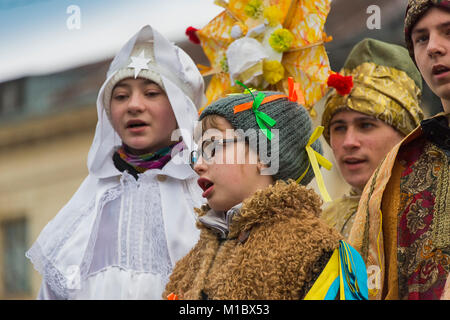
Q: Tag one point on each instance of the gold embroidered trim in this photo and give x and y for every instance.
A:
(441, 220)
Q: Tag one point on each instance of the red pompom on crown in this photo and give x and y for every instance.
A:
(191, 33)
(342, 84)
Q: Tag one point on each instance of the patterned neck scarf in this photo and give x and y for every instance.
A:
(152, 160)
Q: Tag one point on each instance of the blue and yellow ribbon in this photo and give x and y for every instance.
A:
(345, 273)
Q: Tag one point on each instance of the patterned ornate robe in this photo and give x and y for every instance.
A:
(402, 227)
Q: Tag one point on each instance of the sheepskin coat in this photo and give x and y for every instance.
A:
(275, 248)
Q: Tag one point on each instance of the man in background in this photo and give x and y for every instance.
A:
(402, 227)
(362, 126)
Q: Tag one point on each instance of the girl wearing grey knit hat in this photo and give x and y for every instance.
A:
(261, 236)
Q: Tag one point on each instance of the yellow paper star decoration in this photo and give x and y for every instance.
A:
(289, 31)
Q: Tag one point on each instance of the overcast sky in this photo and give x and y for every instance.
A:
(36, 39)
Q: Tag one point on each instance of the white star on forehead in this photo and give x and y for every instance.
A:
(139, 63)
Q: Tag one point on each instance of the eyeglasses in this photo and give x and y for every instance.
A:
(208, 149)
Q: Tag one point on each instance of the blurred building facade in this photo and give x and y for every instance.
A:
(47, 125)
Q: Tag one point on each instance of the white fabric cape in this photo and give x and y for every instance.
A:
(63, 250)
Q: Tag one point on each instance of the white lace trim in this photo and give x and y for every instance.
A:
(43, 262)
(141, 238)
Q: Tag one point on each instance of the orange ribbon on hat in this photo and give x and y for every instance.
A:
(249, 105)
(295, 93)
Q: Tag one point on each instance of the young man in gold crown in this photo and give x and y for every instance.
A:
(363, 125)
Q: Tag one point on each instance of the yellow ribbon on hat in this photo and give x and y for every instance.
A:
(315, 159)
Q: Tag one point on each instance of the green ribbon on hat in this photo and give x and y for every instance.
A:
(262, 119)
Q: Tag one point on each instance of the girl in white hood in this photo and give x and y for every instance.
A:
(124, 229)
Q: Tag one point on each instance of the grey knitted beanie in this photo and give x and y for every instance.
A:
(294, 128)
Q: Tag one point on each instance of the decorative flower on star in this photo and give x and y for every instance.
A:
(264, 42)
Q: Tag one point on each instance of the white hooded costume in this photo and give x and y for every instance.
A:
(118, 237)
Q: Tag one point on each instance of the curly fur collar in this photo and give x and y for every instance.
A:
(270, 204)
